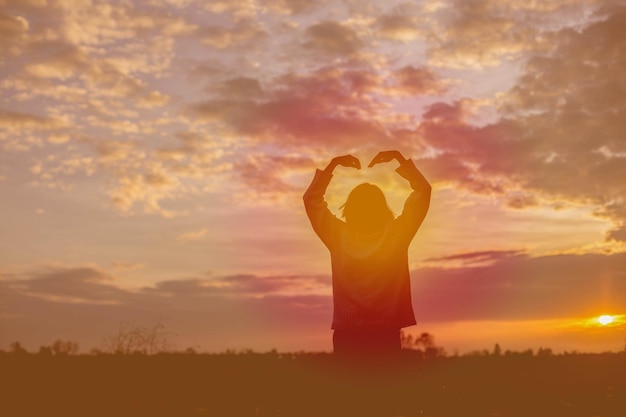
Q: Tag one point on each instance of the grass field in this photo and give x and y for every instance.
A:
(275, 384)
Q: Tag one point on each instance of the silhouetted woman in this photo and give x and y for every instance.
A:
(369, 256)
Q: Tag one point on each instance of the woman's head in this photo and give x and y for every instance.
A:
(366, 209)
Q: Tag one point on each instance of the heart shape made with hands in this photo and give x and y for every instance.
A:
(351, 161)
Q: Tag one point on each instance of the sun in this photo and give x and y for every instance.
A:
(605, 319)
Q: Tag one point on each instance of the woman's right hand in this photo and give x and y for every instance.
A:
(344, 160)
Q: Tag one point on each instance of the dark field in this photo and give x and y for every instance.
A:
(311, 385)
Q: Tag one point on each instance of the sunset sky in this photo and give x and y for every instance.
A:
(153, 157)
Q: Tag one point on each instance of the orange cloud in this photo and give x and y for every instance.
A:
(480, 33)
(265, 176)
(399, 27)
(243, 32)
(192, 236)
(12, 29)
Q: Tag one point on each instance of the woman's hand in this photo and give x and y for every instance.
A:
(386, 156)
(344, 160)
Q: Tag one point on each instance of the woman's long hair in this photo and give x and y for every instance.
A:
(366, 209)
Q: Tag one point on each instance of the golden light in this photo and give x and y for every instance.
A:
(617, 321)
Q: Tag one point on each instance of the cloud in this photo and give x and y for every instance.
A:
(88, 303)
(12, 28)
(23, 131)
(103, 71)
(83, 285)
(146, 180)
(19, 120)
(481, 33)
(192, 236)
(72, 43)
(414, 81)
(105, 23)
(335, 106)
(580, 112)
(483, 160)
(242, 33)
(245, 285)
(293, 7)
(241, 88)
(557, 142)
(113, 150)
(62, 61)
(518, 287)
(127, 266)
(112, 73)
(331, 106)
(478, 257)
(398, 27)
(265, 175)
(147, 190)
(294, 120)
(332, 38)
(89, 65)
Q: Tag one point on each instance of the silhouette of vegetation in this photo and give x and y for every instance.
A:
(58, 381)
(133, 339)
(16, 348)
(424, 345)
(59, 347)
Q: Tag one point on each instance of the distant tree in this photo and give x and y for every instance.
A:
(406, 340)
(16, 347)
(60, 347)
(427, 341)
(476, 352)
(131, 338)
(436, 352)
(497, 350)
(544, 352)
(425, 344)
(45, 351)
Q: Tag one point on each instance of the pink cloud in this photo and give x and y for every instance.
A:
(331, 106)
(478, 257)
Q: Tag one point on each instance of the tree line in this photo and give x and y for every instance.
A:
(132, 339)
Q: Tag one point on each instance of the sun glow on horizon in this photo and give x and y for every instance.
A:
(617, 321)
(605, 319)
(608, 320)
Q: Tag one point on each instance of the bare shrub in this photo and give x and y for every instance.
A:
(131, 338)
